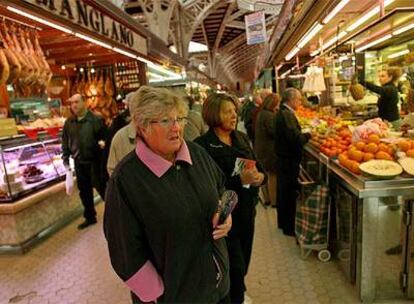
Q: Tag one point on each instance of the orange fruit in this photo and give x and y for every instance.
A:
(383, 155)
(356, 155)
(374, 138)
(355, 168)
(371, 148)
(342, 158)
(368, 156)
(404, 145)
(410, 153)
(360, 145)
(390, 150)
(383, 147)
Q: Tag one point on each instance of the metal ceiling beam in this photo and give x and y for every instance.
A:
(131, 5)
(223, 26)
(237, 25)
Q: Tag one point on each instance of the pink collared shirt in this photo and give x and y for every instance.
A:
(157, 164)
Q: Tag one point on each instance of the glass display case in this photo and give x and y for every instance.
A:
(27, 165)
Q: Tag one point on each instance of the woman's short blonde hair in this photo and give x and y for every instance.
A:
(150, 103)
(212, 106)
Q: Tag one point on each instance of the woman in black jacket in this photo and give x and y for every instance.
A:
(263, 144)
(388, 94)
(225, 145)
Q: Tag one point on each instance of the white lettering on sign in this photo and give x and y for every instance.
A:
(80, 13)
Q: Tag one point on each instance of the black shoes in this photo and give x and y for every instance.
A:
(86, 223)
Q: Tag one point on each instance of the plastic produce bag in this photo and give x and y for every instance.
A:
(69, 182)
(372, 126)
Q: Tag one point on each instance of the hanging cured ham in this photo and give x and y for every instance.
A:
(109, 88)
(13, 62)
(4, 68)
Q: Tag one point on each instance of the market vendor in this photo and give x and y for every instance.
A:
(388, 91)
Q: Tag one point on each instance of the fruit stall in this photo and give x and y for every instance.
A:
(370, 172)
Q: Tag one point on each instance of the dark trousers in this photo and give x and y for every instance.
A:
(287, 192)
(87, 177)
(239, 246)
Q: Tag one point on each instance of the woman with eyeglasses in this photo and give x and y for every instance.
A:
(232, 152)
(161, 216)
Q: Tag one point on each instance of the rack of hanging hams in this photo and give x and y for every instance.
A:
(22, 61)
(98, 91)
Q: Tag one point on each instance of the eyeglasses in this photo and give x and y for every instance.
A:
(169, 122)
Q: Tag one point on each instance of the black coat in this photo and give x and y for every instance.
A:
(387, 101)
(264, 139)
(225, 156)
(80, 138)
(289, 140)
(168, 220)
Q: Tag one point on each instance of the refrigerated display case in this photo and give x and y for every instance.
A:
(27, 165)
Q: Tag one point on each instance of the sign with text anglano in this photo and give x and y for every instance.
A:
(86, 16)
(255, 28)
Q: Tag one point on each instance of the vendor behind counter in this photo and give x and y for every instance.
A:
(388, 94)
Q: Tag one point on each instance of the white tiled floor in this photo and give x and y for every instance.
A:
(73, 267)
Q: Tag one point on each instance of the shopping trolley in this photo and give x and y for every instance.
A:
(313, 217)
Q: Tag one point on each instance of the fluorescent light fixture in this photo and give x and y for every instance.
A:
(331, 41)
(40, 20)
(372, 43)
(173, 49)
(370, 55)
(310, 34)
(335, 11)
(368, 16)
(93, 40)
(195, 47)
(403, 29)
(144, 60)
(157, 67)
(292, 53)
(155, 75)
(398, 54)
(163, 70)
(286, 73)
(164, 79)
(314, 53)
(123, 52)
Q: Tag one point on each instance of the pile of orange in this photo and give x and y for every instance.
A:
(363, 151)
(304, 112)
(406, 146)
(336, 144)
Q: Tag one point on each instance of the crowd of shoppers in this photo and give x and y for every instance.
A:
(168, 168)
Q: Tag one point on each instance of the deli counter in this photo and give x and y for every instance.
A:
(369, 217)
(33, 199)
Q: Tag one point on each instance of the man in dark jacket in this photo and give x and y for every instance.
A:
(82, 139)
(289, 142)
